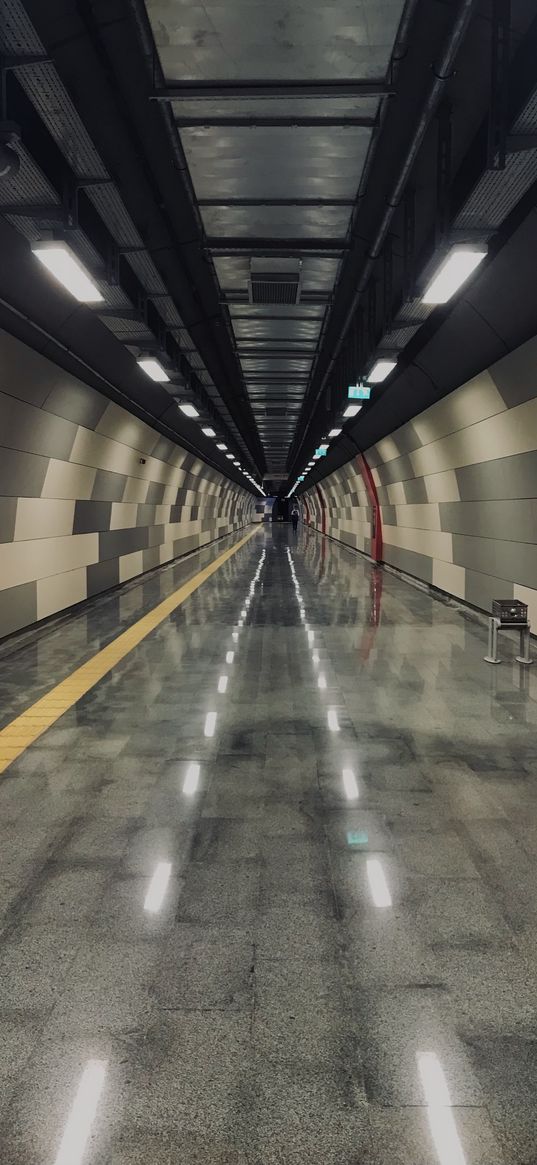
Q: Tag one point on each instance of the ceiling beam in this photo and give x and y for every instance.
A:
(216, 90)
(227, 245)
(286, 121)
(313, 202)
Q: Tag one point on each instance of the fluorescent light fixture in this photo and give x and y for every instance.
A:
(153, 369)
(221, 445)
(157, 887)
(209, 432)
(311, 636)
(453, 272)
(381, 370)
(59, 259)
(323, 448)
(235, 636)
(222, 684)
(82, 1114)
(441, 1121)
(334, 432)
(349, 785)
(333, 722)
(321, 682)
(189, 410)
(352, 411)
(210, 724)
(315, 657)
(230, 457)
(230, 656)
(379, 886)
(192, 777)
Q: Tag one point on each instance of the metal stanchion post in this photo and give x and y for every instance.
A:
(492, 656)
(524, 656)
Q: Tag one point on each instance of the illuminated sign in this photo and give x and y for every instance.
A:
(358, 392)
(321, 451)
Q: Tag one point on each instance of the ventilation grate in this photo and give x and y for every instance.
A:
(274, 287)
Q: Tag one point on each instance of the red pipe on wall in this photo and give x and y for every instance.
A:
(371, 489)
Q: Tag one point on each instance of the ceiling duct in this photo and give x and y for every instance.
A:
(274, 281)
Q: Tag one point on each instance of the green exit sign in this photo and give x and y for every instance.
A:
(358, 392)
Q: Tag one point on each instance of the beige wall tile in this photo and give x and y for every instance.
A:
(123, 515)
(396, 493)
(387, 449)
(430, 542)
(64, 480)
(130, 565)
(121, 426)
(473, 402)
(513, 431)
(43, 518)
(422, 516)
(59, 591)
(135, 490)
(442, 487)
(40, 558)
(449, 577)
(92, 449)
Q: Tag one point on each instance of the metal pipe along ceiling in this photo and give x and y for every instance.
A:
(442, 74)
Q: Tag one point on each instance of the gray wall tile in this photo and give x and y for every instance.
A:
(481, 589)
(418, 565)
(102, 575)
(512, 561)
(155, 492)
(18, 607)
(415, 491)
(8, 514)
(25, 373)
(21, 474)
(115, 543)
(108, 486)
(507, 477)
(514, 520)
(389, 515)
(32, 430)
(76, 402)
(514, 374)
(155, 535)
(91, 516)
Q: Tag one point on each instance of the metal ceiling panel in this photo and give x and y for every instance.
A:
(268, 179)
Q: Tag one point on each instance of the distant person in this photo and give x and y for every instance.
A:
(294, 517)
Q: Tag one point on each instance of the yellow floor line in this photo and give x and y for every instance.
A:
(17, 736)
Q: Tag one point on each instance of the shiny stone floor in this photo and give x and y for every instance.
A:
(287, 917)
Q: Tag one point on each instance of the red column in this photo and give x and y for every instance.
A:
(323, 508)
(376, 534)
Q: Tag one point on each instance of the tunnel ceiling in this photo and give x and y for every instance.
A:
(258, 189)
(276, 106)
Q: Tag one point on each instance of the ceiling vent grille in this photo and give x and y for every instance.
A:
(274, 282)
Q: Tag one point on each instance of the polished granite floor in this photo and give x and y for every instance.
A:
(269, 892)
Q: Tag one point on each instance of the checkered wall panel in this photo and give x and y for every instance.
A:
(457, 487)
(90, 496)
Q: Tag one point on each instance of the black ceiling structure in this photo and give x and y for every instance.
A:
(260, 202)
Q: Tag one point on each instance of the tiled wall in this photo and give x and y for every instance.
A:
(457, 488)
(79, 512)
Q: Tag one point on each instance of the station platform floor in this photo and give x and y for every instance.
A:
(268, 878)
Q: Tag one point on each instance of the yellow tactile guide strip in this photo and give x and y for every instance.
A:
(26, 728)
